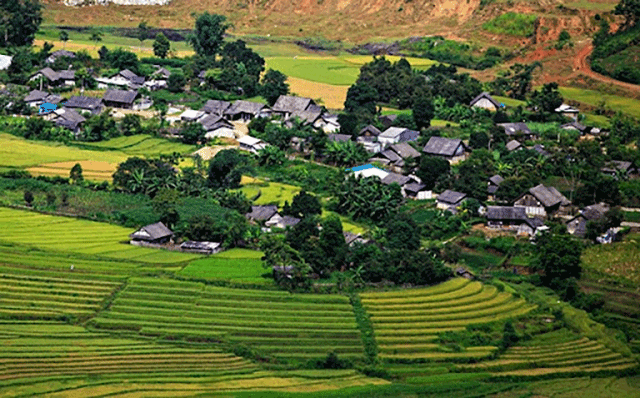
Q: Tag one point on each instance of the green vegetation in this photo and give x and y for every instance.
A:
(512, 23)
(141, 145)
(237, 265)
(625, 105)
(618, 259)
(452, 52)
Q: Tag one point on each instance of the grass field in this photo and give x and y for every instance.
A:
(238, 265)
(79, 236)
(594, 98)
(272, 193)
(619, 259)
(142, 145)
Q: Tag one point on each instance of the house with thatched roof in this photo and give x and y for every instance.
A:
(578, 224)
(85, 104)
(518, 130)
(36, 98)
(120, 98)
(543, 201)
(395, 156)
(251, 144)
(513, 145)
(202, 247)
(246, 110)
(369, 133)
(451, 149)
(217, 126)
(616, 167)
(134, 81)
(59, 54)
(485, 101)
(450, 200)
(287, 106)
(157, 233)
(576, 126)
(67, 118)
(262, 213)
(216, 107)
(512, 219)
(50, 78)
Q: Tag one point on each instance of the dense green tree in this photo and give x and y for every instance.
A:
(19, 22)
(332, 242)
(64, 37)
(76, 174)
(277, 253)
(367, 198)
(303, 205)
(96, 37)
(478, 140)
(21, 65)
(516, 82)
(131, 125)
(346, 153)
(558, 257)
(402, 232)
(236, 52)
(547, 99)
(176, 82)
(208, 35)
(28, 198)
(630, 10)
(299, 234)
(273, 86)
(161, 45)
(123, 59)
(423, 111)
(226, 168)
(235, 200)
(143, 31)
(99, 128)
(432, 168)
(361, 98)
(146, 176)
(164, 204)
(227, 226)
(271, 155)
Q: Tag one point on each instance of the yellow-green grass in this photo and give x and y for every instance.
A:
(619, 259)
(592, 5)
(270, 192)
(91, 169)
(78, 236)
(509, 101)
(274, 322)
(18, 152)
(418, 315)
(143, 145)
(594, 98)
(556, 352)
(238, 265)
(330, 95)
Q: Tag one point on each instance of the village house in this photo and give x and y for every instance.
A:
(67, 118)
(539, 148)
(512, 219)
(387, 120)
(217, 126)
(394, 135)
(282, 222)
(268, 214)
(578, 224)
(245, 111)
(493, 185)
(251, 144)
(36, 98)
(485, 101)
(157, 233)
(568, 111)
(50, 78)
(369, 133)
(543, 201)
(328, 123)
(513, 145)
(311, 117)
(368, 170)
(395, 155)
(133, 81)
(59, 54)
(338, 137)
(351, 238)
(451, 149)
(120, 98)
(288, 105)
(518, 131)
(615, 168)
(450, 200)
(201, 247)
(191, 115)
(216, 107)
(86, 104)
(576, 126)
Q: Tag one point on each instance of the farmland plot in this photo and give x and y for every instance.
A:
(274, 322)
(78, 236)
(407, 322)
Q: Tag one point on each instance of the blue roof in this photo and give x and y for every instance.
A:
(363, 167)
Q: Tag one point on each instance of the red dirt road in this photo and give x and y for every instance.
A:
(581, 66)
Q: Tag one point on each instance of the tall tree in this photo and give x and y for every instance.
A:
(558, 257)
(96, 36)
(630, 10)
(143, 31)
(303, 205)
(192, 133)
(273, 86)
(423, 111)
(176, 82)
(332, 242)
(19, 22)
(225, 169)
(161, 45)
(64, 37)
(547, 99)
(208, 36)
(431, 168)
(76, 174)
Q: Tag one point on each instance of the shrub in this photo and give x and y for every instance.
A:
(28, 197)
(512, 23)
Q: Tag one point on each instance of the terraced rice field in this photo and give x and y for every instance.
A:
(407, 322)
(555, 353)
(78, 236)
(91, 169)
(274, 322)
(142, 145)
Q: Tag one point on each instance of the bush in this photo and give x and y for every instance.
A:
(331, 361)
(512, 23)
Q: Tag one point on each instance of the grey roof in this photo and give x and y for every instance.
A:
(213, 122)
(389, 154)
(339, 137)
(241, 106)
(200, 245)
(67, 74)
(496, 180)
(290, 221)
(513, 145)
(36, 95)
(405, 150)
(120, 96)
(165, 73)
(60, 53)
(202, 74)
(513, 128)
(49, 73)
(397, 178)
(451, 197)
(262, 213)
(442, 146)
(373, 130)
(492, 189)
(506, 213)
(594, 212)
(413, 187)
(216, 106)
(615, 165)
(540, 149)
(387, 119)
(83, 102)
(349, 237)
(290, 103)
(393, 132)
(574, 125)
(487, 96)
(152, 232)
(308, 115)
(67, 117)
(549, 196)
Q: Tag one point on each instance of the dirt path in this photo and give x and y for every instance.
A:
(581, 66)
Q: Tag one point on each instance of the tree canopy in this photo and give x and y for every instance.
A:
(161, 45)
(208, 35)
(20, 20)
